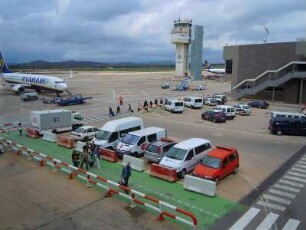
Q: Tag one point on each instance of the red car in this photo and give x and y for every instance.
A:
(217, 164)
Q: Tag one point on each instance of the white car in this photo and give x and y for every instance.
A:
(210, 101)
(84, 133)
(242, 109)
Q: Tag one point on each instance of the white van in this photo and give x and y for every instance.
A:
(135, 143)
(185, 155)
(227, 109)
(174, 105)
(113, 131)
(193, 102)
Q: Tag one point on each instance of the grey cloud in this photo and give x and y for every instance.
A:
(138, 30)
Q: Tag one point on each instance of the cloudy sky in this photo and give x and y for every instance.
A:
(139, 30)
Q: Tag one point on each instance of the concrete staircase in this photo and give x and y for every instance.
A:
(270, 78)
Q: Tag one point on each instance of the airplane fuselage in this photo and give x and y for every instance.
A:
(35, 81)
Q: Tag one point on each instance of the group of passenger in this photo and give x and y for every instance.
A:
(90, 156)
(146, 106)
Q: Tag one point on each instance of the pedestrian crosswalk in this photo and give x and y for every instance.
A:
(271, 205)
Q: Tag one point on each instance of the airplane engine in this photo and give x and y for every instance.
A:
(18, 88)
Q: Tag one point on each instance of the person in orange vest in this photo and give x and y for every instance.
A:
(120, 100)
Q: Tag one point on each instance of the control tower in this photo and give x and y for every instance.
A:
(181, 37)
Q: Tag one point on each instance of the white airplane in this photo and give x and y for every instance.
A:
(19, 81)
(218, 71)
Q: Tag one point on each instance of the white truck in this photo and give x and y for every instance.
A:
(56, 120)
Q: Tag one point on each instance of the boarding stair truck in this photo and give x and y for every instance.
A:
(56, 120)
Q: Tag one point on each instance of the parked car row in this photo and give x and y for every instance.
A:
(128, 136)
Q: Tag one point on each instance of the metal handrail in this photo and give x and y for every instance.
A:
(267, 72)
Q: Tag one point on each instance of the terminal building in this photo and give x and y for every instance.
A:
(269, 71)
(188, 61)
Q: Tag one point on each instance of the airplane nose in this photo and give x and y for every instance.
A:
(62, 86)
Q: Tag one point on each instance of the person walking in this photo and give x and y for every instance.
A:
(75, 158)
(111, 112)
(96, 155)
(85, 157)
(126, 173)
(118, 110)
(130, 109)
(20, 129)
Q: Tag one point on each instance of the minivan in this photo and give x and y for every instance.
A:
(217, 164)
(279, 126)
(135, 143)
(112, 131)
(174, 105)
(185, 155)
(288, 115)
(227, 109)
(193, 102)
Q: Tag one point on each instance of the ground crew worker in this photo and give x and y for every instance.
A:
(118, 110)
(111, 112)
(120, 100)
(75, 158)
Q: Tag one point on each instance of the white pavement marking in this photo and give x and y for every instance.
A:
(245, 219)
(300, 166)
(301, 162)
(295, 178)
(268, 221)
(291, 224)
(277, 199)
(269, 205)
(297, 174)
(298, 170)
(291, 182)
(287, 188)
(281, 193)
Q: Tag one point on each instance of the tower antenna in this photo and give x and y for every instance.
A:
(267, 34)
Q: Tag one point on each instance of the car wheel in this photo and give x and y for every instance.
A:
(135, 154)
(279, 132)
(236, 170)
(183, 173)
(85, 139)
(217, 180)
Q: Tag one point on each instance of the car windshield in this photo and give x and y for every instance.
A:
(130, 139)
(179, 104)
(176, 153)
(152, 148)
(103, 135)
(79, 130)
(211, 162)
(245, 107)
(198, 100)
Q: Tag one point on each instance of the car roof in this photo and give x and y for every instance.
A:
(222, 152)
(147, 131)
(193, 97)
(161, 143)
(191, 143)
(87, 126)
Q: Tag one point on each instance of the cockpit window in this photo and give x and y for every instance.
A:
(60, 81)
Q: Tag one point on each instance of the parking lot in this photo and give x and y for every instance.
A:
(260, 152)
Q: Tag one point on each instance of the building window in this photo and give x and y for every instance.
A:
(228, 66)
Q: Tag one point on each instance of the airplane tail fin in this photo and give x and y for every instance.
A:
(3, 66)
(70, 75)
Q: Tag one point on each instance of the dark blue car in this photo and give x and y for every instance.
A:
(259, 104)
(214, 116)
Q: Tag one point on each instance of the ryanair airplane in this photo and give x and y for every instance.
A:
(19, 81)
